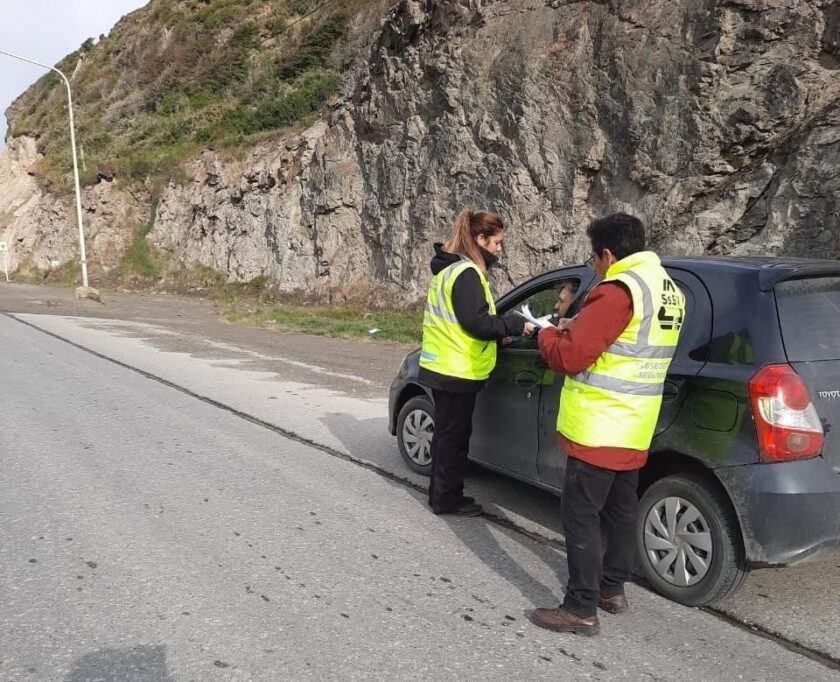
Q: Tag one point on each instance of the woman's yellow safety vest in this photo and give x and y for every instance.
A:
(447, 348)
(616, 401)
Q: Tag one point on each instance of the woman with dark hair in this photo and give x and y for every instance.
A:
(460, 330)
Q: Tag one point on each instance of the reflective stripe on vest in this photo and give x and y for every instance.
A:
(616, 401)
(447, 348)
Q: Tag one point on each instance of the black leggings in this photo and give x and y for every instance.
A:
(450, 445)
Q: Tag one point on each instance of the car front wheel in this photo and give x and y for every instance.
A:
(415, 430)
(688, 540)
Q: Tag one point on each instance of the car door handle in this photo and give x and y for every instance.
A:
(526, 380)
(671, 390)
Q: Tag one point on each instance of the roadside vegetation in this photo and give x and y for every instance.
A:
(254, 303)
(141, 262)
(180, 75)
(400, 326)
(68, 274)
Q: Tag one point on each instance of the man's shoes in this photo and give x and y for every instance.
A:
(464, 509)
(561, 620)
(616, 604)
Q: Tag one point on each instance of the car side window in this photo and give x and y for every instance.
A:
(695, 335)
(689, 308)
(560, 298)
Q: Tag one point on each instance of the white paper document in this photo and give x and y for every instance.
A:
(541, 322)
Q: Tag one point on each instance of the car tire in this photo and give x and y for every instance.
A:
(415, 429)
(688, 540)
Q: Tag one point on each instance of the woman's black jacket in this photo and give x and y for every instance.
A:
(473, 315)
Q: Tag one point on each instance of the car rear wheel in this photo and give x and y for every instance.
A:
(415, 430)
(688, 540)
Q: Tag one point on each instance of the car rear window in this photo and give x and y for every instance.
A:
(809, 313)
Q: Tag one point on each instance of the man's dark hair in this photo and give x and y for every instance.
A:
(622, 234)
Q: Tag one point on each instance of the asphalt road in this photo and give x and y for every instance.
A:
(236, 509)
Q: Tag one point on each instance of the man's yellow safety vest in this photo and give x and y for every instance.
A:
(616, 401)
(447, 348)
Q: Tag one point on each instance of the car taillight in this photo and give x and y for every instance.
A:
(786, 420)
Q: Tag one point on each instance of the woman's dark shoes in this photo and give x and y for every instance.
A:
(560, 620)
(464, 509)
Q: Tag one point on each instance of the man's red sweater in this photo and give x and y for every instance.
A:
(604, 315)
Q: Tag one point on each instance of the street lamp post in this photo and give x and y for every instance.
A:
(75, 163)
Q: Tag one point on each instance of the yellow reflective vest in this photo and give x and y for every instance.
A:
(616, 401)
(447, 348)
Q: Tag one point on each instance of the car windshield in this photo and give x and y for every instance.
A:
(809, 314)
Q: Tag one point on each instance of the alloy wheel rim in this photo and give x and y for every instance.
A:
(678, 541)
(417, 431)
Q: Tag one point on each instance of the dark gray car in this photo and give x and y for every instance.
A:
(744, 469)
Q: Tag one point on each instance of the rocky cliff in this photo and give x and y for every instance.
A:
(716, 121)
(41, 230)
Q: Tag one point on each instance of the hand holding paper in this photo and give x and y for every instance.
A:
(541, 322)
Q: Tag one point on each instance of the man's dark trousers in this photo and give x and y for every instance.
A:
(599, 506)
(450, 446)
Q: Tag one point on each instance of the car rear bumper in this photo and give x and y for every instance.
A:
(789, 511)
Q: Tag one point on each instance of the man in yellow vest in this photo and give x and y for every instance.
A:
(615, 354)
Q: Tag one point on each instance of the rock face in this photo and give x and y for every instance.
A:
(716, 121)
(42, 231)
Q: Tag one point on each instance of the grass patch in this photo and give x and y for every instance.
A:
(68, 274)
(310, 92)
(140, 258)
(401, 326)
(257, 304)
(199, 279)
(314, 50)
(228, 293)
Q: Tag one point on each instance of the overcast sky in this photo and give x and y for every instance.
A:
(46, 31)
